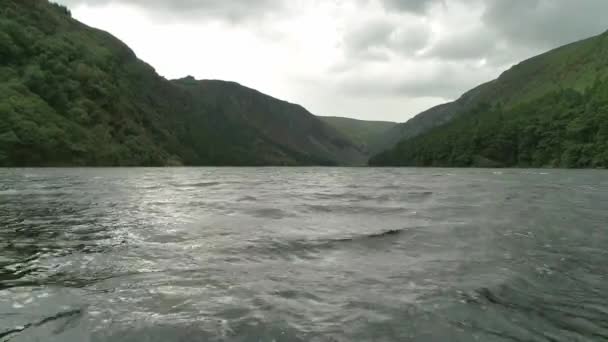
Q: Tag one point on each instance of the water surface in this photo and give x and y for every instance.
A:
(303, 254)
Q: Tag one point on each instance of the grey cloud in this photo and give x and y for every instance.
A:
(378, 38)
(474, 44)
(361, 41)
(411, 39)
(510, 28)
(532, 22)
(546, 23)
(509, 31)
(447, 80)
(447, 88)
(412, 6)
(233, 10)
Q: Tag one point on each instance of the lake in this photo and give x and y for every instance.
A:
(303, 254)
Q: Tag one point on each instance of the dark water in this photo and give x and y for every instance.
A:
(303, 255)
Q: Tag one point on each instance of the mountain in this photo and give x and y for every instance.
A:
(288, 125)
(427, 120)
(548, 111)
(365, 134)
(72, 95)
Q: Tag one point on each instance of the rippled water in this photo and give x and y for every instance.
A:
(310, 254)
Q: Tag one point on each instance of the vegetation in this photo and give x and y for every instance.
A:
(576, 66)
(363, 133)
(73, 95)
(564, 128)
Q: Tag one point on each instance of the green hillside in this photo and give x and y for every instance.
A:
(549, 111)
(575, 66)
(73, 95)
(363, 133)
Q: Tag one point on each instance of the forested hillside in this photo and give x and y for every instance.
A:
(564, 128)
(576, 66)
(73, 95)
(549, 111)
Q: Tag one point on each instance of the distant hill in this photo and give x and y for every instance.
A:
(547, 111)
(73, 95)
(365, 134)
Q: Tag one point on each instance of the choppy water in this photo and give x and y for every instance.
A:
(303, 255)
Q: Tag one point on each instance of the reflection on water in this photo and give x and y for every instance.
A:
(303, 254)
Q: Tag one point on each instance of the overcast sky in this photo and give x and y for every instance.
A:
(366, 59)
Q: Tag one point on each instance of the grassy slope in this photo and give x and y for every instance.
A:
(363, 133)
(74, 95)
(575, 65)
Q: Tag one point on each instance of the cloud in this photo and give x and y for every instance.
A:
(412, 6)
(476, 44)
(379, 38)
(369, 39)
(545, 23)
(410, 39)
(439, 79)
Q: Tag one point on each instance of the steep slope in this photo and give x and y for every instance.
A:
(286, 124)
(575, 66)
(361, 132)
(550, 111)
(73, 95)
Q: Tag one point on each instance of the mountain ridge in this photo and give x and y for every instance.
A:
(73, 95)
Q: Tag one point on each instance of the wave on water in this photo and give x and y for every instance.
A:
(247, 199)
(270, 213)
(68, 316)
(311, 247)
(38, 192)
(195, 185)
(352, 209)
(388, 233)
(537, 306)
